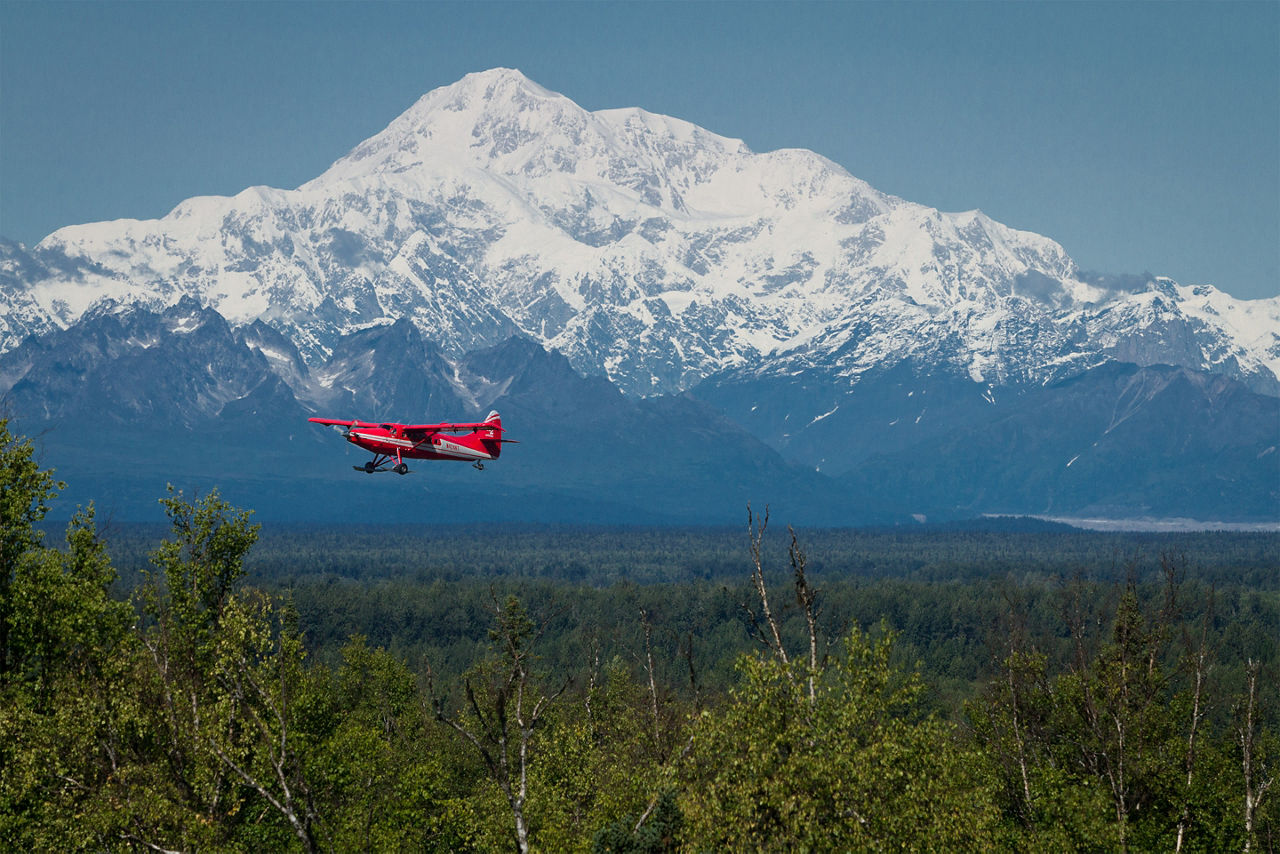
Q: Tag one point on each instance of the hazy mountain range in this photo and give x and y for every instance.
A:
(672, 323)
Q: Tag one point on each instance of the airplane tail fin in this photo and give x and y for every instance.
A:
(492, 433)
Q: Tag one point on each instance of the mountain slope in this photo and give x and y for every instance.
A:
(674, 323)
(128, 401)
(644, 248)
(1117, 442)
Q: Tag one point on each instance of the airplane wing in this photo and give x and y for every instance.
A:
(451, 427)
(446, 427)
(419, 430)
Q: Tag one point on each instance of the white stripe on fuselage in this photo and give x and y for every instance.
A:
(386, 440)
(438, 446)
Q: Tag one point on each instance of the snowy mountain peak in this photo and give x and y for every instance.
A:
(475, 118)
(501, 122)
(643, 247)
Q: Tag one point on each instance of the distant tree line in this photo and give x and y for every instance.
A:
(781, 708)
(1026, 550)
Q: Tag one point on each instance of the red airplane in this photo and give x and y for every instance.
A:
(422, 442)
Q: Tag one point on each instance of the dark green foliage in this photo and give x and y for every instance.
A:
(606, 690)
(603, 556)
(25, 493)
(64, 643)
(1128, 744)
(853, 767)
(658, 833)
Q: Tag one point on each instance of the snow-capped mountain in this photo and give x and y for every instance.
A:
(642, 247)
(780, 328)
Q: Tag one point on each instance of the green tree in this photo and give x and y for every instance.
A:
(656, 832)
(605, 762)
(61, 680)
(1259, 775)
(201, 564)
(1016, 724)
(63, 622)
(854, 766)
(504, 709)
(386, 773)
(25, 493)
(1124, 747)
(223, 758)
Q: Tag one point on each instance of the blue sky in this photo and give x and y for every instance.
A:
(1140, 136)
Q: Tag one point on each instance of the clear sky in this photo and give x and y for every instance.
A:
(1140, 136)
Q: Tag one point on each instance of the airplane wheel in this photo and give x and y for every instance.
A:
(402, 469)
(368, 467)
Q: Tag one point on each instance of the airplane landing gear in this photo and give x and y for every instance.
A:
(479, 466)
(401, 468)
(380, 462)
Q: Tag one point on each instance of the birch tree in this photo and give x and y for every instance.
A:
(1258, 777)
(504, 708)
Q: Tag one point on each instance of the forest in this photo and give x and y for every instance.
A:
(213, 684)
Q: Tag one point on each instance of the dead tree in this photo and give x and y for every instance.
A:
(770, 634)
(773, 640)
(807, 599)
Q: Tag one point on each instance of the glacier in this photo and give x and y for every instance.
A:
(644, 248)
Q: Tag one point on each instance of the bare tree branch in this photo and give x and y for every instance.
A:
(756, 534)
(807, 599)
